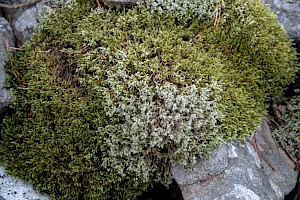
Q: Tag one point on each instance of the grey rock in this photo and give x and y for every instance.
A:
(25, 24)
(253, 172)
(25, 20)
(288, 15)
(6, 39)
(206, 168)
(14, 189)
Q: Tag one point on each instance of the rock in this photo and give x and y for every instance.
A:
(288, 15)
(6, 38)
(212, 166)
(13, 189)
(25, 20)
(238, 171)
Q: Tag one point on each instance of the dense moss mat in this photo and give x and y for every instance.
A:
(105, 101)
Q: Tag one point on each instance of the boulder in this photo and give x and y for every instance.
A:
(22, 24)
(7, 40)
(25, 19)
(288, 15)
(256, 170)
(14, 189)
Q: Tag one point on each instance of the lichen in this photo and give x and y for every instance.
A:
(105, 101)
(201, 10)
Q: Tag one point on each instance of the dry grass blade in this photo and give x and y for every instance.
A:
(218, 15)
(216, 22)
(16, 74)
(197, 36)
(15, 48)
(23, 88)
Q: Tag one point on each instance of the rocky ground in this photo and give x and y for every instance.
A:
(258, 169)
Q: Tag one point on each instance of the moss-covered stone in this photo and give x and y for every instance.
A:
(105, 101)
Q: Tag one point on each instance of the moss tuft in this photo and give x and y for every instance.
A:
(106, 101)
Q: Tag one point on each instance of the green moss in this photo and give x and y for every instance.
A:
(105, 101)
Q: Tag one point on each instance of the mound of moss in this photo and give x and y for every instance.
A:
(106, 101)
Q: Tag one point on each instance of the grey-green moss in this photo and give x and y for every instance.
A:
(202, 10)
(288, 136)
(105, 101)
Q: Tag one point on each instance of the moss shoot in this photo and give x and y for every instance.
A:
(106, 101)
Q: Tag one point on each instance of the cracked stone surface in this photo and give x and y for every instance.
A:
(6, 39)
(238, 171)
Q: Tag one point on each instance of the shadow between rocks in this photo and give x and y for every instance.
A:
(160, 192)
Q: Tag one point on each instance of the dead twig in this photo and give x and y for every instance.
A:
(14, 6)
(15, 48)
(197, 36)
(218, 15)
(99, 5)
(105, 4)
(22, 88)
(216, 22)
(35, 55)
(32, 89)
(16, 74)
